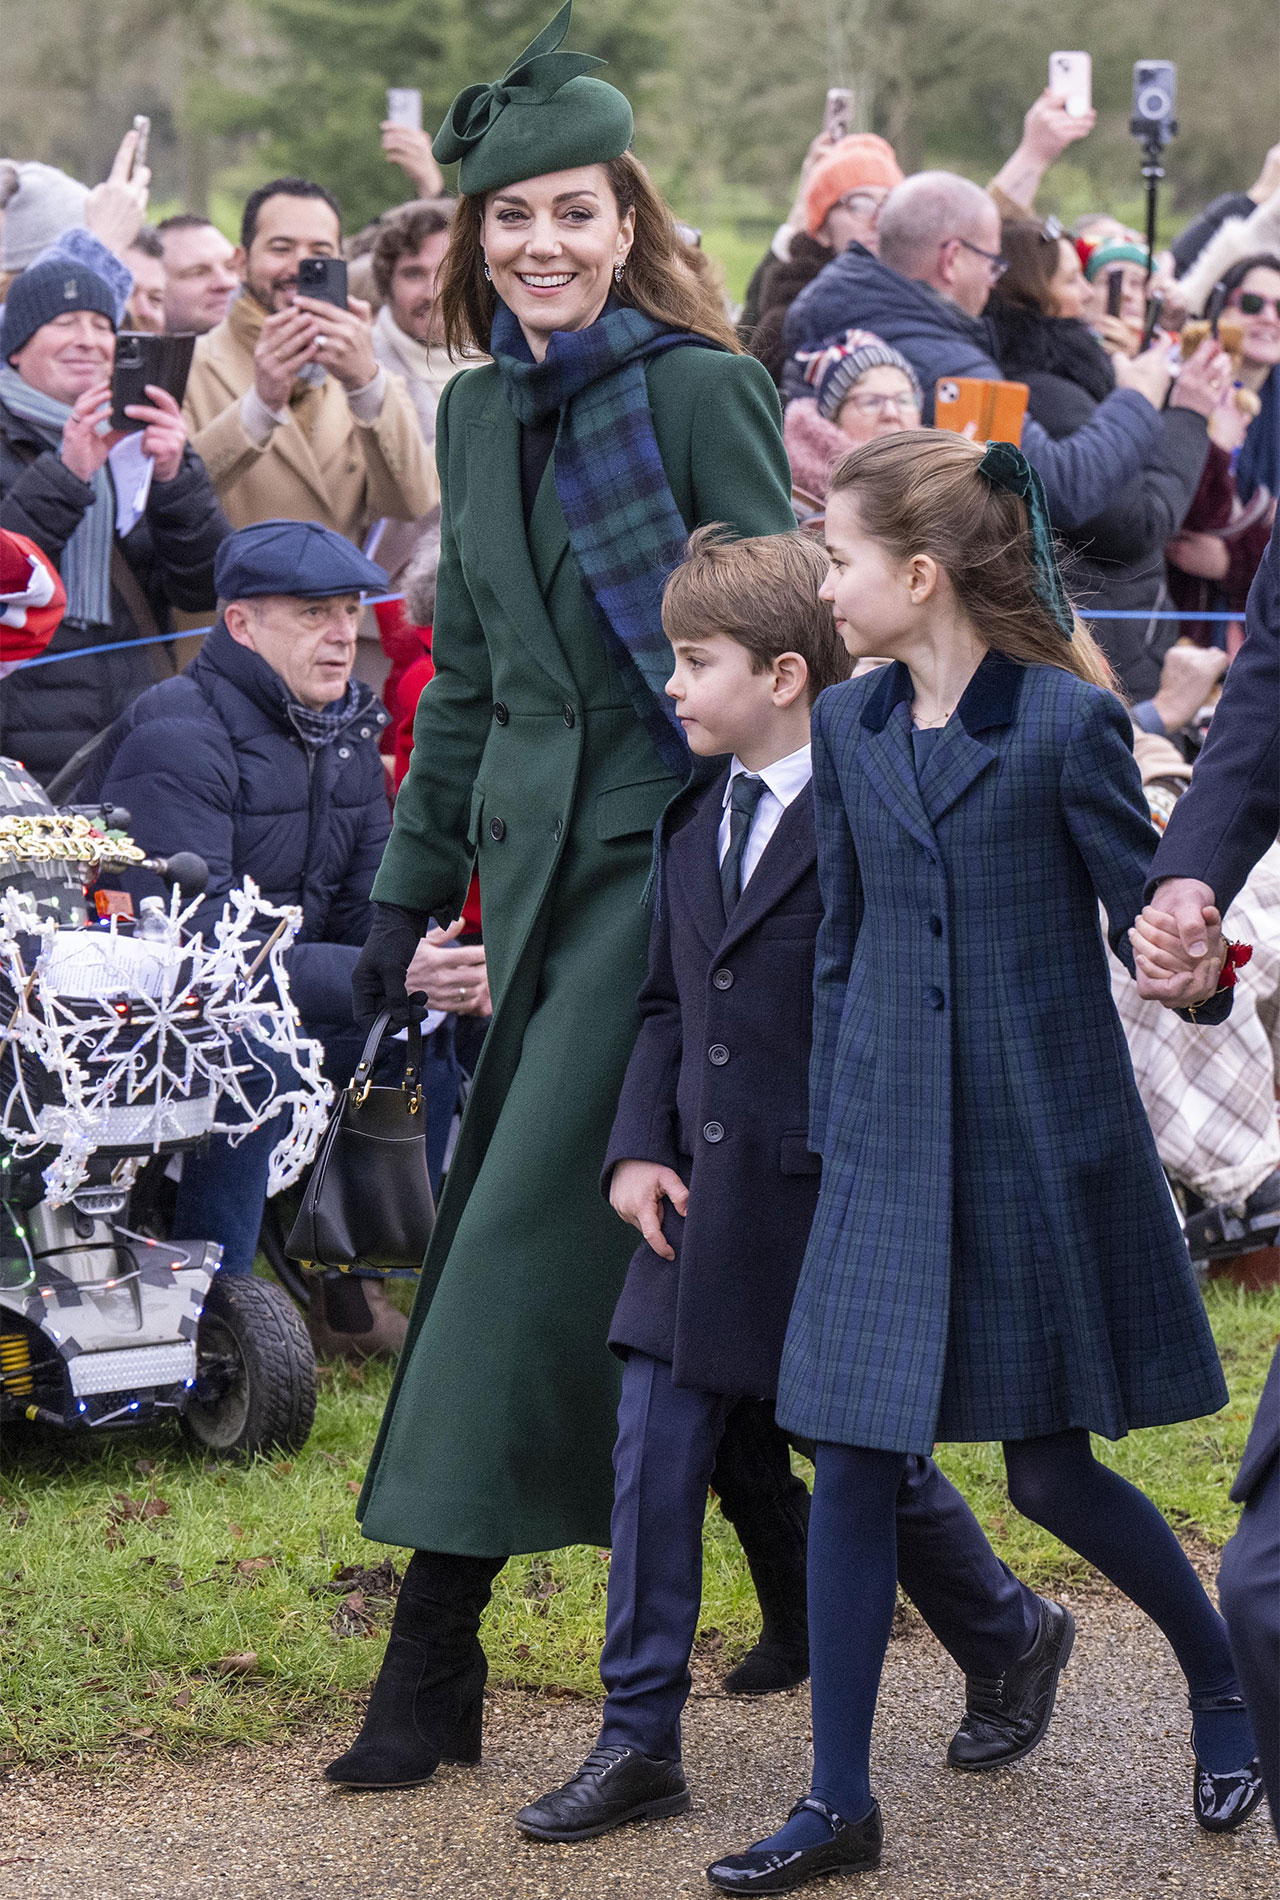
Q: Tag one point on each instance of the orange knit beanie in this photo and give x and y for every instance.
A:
(861, 159)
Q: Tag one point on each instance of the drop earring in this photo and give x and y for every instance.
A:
(488, 275)
(617, 273)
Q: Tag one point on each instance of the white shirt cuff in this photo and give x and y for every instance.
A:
(781, 246)
(260, 423)
(366, 404)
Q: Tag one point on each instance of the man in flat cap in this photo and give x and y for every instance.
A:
(263, 757)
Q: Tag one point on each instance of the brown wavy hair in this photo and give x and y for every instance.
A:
(920, 492)
(657, 279)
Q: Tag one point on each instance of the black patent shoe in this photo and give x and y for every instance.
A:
(1006, 1716)
(613, 1785)
(1222, 1803)
(854, 1847)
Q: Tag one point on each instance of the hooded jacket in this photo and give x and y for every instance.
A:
(1081, 474)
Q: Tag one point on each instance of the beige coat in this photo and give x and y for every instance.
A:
(340, 472)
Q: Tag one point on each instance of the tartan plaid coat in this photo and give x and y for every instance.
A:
(995, 1253)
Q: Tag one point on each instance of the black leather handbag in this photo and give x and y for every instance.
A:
(368, 1204)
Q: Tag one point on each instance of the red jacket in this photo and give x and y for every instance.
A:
(32, 599)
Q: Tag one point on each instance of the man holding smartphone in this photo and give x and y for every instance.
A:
(287, 403)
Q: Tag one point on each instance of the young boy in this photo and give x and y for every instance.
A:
(709, 1159)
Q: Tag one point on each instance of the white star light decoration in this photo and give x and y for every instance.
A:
(152, 1039)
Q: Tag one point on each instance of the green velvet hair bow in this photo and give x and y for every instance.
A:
(1004, 466)
(531, 79)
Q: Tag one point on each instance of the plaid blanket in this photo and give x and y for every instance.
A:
(1210, 1094)
(624, 527)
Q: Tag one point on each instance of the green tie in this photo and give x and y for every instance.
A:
(744, 795)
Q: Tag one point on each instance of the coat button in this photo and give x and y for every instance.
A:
(500, 713)
(557, 830)
(723, 979)
(718, 1054)
(567, 714)
(366, 732)
(935, 925)
(344, 751)
(934, 997)
(713, 1132)
(497, 830)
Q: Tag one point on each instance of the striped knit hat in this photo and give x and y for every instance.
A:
(836, 369)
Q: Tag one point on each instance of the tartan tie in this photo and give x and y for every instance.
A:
(744, 795)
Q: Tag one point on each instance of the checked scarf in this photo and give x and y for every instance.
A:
(624, 526)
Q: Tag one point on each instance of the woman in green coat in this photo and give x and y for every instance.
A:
(616, 416)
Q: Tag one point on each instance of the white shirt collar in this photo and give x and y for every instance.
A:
(785, 778)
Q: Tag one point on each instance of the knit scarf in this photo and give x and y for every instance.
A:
(319, 726)
(624, 527)
(86, 560)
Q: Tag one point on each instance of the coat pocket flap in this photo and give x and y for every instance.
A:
(627, 808)
(473, 822)
(796, 1157)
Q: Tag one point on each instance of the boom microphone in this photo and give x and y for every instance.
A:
(189, 872)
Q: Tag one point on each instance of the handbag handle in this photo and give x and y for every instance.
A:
(362, 1081)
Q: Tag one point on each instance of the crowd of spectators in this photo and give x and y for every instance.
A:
(1159, 452)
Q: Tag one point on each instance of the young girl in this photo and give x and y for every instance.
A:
(995, 1253)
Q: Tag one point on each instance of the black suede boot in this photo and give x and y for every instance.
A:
(428, 1702)
(768, 1507)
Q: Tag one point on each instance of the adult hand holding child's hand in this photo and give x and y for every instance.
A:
(637, 1190)
(1178, 950)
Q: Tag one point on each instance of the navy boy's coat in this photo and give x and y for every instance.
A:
(717, 1088)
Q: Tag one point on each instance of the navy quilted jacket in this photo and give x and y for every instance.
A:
(1081, 473)
(209, 762)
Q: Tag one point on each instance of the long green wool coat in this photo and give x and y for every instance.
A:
(528, 756)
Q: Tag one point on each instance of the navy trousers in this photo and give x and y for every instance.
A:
(668, 1438)
(1249, 1591)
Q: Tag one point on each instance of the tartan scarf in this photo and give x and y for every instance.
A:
(624, 527)
(319, 726)
(86, 558)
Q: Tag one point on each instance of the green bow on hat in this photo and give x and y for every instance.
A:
(544, 115)
(1006, 467)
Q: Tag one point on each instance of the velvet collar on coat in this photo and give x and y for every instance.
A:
(990, 699)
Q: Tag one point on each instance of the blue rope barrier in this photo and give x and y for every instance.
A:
(188, 633)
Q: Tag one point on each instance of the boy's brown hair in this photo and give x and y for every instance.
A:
(761, 592)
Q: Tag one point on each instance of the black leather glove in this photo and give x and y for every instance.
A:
(377, 982)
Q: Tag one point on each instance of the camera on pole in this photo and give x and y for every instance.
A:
(1155, 98)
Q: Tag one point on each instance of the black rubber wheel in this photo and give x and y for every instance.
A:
(255, 1384)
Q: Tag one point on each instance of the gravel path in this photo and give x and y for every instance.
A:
(1101, 1810)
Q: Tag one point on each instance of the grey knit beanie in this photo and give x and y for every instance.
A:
(834, 370)
(39, 203)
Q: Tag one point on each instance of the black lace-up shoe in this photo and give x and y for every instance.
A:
(1006, 1716)
(612, 1786)
(854, 1846)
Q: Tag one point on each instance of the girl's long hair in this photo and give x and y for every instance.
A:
(920, 492)
(656, 280)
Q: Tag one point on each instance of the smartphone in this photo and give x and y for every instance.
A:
(404, 106)
(1115, 291)
(142, 358)
(142, 126)
(996, 410)
(1071, 77)
(1151, 321)
(324, 278)
(837, 115)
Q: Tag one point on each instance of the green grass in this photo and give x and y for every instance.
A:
(112, 1622)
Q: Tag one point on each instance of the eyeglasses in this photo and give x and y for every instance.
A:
(996, 264)
(862, 200)
(872, 404)
(1252, 303)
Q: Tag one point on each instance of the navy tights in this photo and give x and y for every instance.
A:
(853, 1584)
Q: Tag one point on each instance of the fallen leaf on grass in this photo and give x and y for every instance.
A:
(281, 1468)
(352, 1617)
(140, 1734)
(241, 1664)
(250, 1566)
(235, 1530)
(353, 1485)
(183, 1699)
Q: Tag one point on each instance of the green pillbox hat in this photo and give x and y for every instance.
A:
(543, 115)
